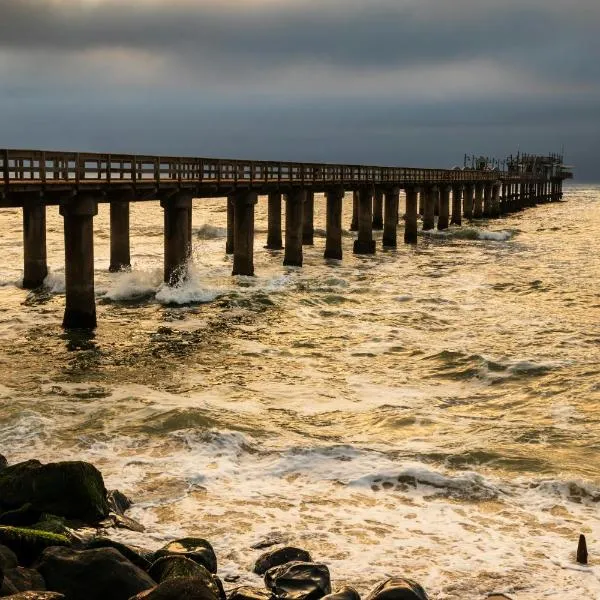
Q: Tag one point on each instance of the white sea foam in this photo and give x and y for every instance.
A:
(132, 285)
(206, 231)
(55, 282)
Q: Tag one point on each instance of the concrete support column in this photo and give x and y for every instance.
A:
(365, 244)
(456, 205)
(390, 222)
(308, 228)
(229, 244)
(354, 222)
(410, 217)
(431, 195)
(421, 194)
(177, 231)
(444, 207)
(487, 200)
(333, 242)
(274, 216)
(294, 209)
(120, 257)
(80, 307)
(243, 233)
(532, 195)
(378, 209)
(496, 200)
(478, 202)
(34, 245)
(468, 201)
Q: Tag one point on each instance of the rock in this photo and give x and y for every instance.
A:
(36, 596)
(397, 588)
(7, 589)
(52, 524)
(345, 593)
(122, 522)
(3, 462)
(25, 580)
(272, 539)
(118, 502)
(280, 556)
(176, 565)
(74, 490)
(582, 552)
(28, 544)
(97, 574)
(180, 588)
(246, 592)
(299, 581)
(127, 551)
(25, 515)
(197, 549)
(8, 559)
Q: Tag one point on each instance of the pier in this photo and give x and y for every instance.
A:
(78, 182)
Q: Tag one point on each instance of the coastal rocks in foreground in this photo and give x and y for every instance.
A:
(299, 581)
(180, 588)
(196, 549)
(280, 556)
(397, 588)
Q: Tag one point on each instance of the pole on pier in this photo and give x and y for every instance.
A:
(456, 204)
(430, 196)
(120, 256)
(365, 244)
(495, 206)
(243, 233)
(80, 307)
(177, 231)
(468, 201)
(34, 244)
(354, 222)
(410, 217)
(274, 233)
(488, 191)
(390, 220)
(308, 218)
(478, 202)
(378, 209)
(230, 244)
(294, 208)
(444, 207)
(333, 242)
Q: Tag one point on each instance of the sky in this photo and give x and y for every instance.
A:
(392, 82)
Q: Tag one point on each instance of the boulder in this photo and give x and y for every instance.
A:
(28, 544)
(97, 574)
(170, 567)
(8, 559)
(118, 502)
(3, 462)
(196, 549)
(36, 596)
(345, 593)
(397, 588)
(246, 592)
(25, 580)
(7, 589)
(299, 581)
(128, 552)
(280, 556)
(25, 515)
(74, 490)
(180, 588)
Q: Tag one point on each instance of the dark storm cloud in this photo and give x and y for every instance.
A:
(375, 34)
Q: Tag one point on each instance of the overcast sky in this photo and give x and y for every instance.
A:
(398, 82)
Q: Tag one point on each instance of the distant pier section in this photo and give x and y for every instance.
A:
(78, 182)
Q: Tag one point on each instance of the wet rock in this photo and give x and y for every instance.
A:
(180, 588)
(74, 490)
(25, 580)
(169, 567)
(52, 524)
(3, 462)
(36, 596)
(273, 539)
(280, 556)
(7, 588)
(25, 515)
(118, 502)
(246, 592)
(582, 552)
(397, 588)
(97, 574)
(122, 522)
(345, 593)
(28, 544)
(8, 559)
(299, 581)
(196, 549)
(128, 552)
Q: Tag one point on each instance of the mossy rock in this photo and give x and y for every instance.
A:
(28, 544)
(74, 490)
(52, 524)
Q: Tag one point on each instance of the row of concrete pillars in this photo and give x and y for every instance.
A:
(373, 209)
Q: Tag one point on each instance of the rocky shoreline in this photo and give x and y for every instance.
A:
(47, 554)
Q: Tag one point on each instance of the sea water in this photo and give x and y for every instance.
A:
(430, 412)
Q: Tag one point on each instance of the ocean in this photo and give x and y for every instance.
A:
(430, 412)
